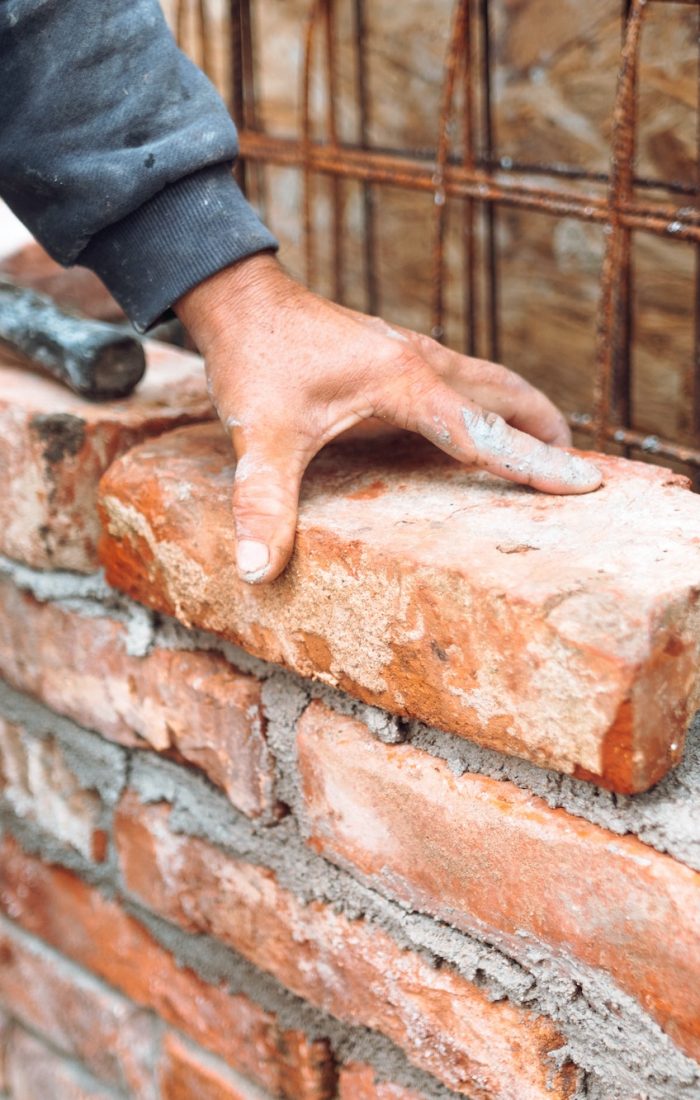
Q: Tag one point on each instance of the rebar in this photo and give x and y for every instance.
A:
(620, 201)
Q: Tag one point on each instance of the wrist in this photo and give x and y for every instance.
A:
(232, 295)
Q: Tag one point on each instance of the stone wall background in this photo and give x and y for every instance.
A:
(555, 71)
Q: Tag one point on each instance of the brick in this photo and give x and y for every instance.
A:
(561, 629)
(76, 289)
(488, 857)
(95, 932)
(359, 1082)
(111, 1037)
(349, 968)
(54, 447)
(195, 703)
(38, 784)
(37, 1073)
(188, 1074)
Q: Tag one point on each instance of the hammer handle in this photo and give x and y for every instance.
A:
(94, 359)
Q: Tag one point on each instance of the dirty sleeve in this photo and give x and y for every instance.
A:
(116, 151)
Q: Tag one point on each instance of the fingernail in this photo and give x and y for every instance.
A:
(252, 559)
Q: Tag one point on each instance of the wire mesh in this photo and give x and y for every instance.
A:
(484, 185)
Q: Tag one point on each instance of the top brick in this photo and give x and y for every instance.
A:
(562, 629)
(55, 446)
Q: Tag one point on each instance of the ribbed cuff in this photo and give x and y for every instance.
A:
(188, 231)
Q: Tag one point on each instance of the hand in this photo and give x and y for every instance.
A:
(288, 371)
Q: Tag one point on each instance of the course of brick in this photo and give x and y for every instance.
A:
(193, 703)
(561, 629)
(55, 446)
(266, 844)
(528, 870)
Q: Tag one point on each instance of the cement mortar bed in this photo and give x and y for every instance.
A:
(585, 1003)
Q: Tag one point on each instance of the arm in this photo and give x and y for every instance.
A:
(116, 152)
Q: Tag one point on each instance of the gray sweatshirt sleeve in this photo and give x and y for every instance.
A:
(116, 151)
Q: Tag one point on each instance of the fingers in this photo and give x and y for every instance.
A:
(490, 385)
(469, 433)
(498, 389)
(265, 507)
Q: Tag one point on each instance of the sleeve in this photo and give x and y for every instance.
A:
(116, 151)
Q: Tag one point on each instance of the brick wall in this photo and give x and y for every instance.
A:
(419, 822)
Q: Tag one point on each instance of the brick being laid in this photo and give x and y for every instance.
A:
(54, 447)
(565, 630)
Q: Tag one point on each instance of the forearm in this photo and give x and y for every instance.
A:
(116, 151)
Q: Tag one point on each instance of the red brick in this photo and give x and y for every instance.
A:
(350, 968)
(37, 1073)
(78, 921)
(187, 1075)
(110, 1036)
(193, 702)
(54, 447)
(359, 1082)
(561, 629)
(488, 857)
(38, 784)
(75, 288)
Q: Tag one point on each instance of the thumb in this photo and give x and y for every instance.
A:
(265, 507)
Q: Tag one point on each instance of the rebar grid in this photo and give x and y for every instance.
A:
(484, 185)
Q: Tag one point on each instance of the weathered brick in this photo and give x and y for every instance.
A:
(561, 629)
(54, 447)
(95, 932)
(350, 968)
(359, 1082)
(188, 1074)
(491, 858)
(38, 784)
(74, 288)
(193, 702)
(35, 1072)
(110, 1036)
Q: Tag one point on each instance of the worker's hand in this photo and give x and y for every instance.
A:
(289, 371)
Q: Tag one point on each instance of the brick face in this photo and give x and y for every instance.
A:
(359, 1082)
(186, 1075)
(38, 784)
(349, 968)
(490, 858)
(91, 930)
(193, 702)
(112, 1038)
(519, 620)
(54, 447)
(35, 1072)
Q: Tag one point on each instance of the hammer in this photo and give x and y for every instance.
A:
(94, 359)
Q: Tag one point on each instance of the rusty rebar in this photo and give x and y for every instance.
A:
(611, 397)
(452, 61)
(619, 201)
(368, 197)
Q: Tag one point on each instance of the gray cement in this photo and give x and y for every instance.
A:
(622, 1051)
(607, 1032)
(667, 817)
